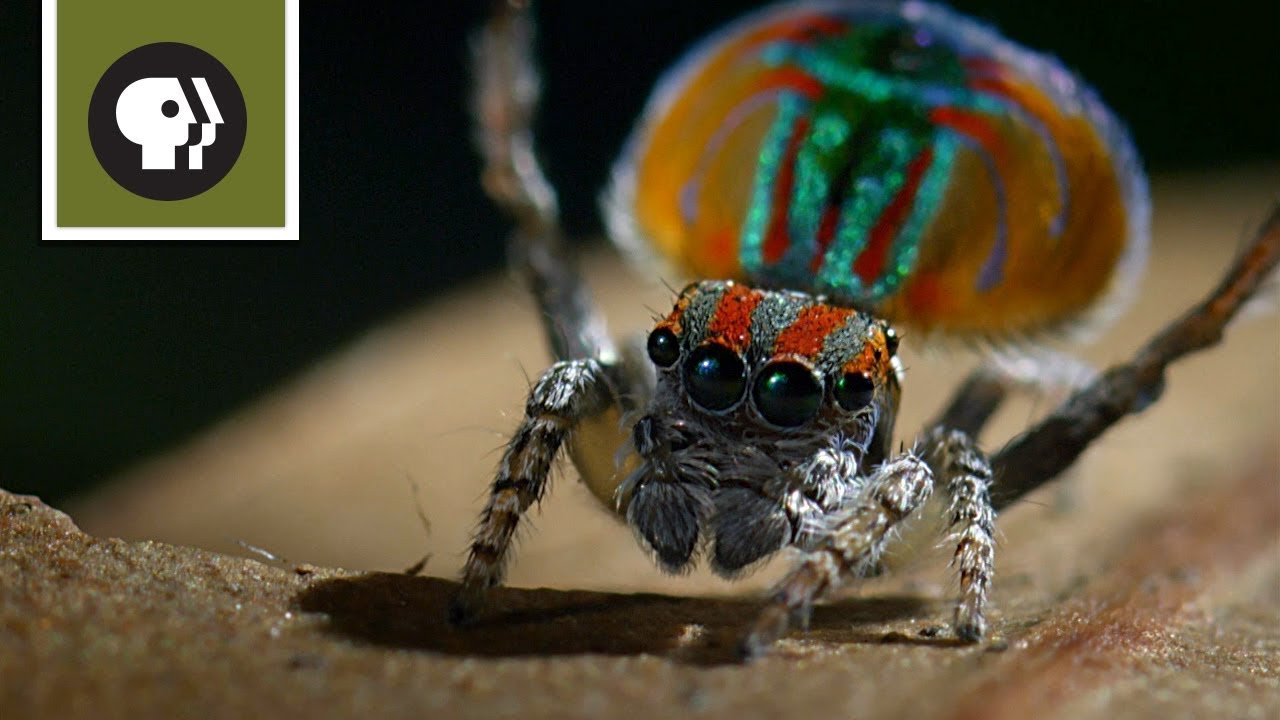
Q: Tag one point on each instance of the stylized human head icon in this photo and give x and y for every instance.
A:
(156, 99)
(154, 113)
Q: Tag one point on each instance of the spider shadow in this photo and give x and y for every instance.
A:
(407, 612)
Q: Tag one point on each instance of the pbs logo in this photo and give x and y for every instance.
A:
(167, 121)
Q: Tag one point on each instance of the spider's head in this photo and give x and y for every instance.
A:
(752, 386)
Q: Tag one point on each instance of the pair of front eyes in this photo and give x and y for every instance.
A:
(787, 393)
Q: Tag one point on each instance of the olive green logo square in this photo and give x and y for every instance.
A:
(171, 114)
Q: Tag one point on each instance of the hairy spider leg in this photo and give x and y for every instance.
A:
(1023, 465)
(593, 380)
(589, 380)
(853, 542)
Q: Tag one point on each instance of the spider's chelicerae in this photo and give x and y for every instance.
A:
(837, 168)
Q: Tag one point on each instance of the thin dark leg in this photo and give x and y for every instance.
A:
(973, 403)
(506, 97)
(1036, 457)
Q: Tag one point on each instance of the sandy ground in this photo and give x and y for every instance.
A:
(1145, 584)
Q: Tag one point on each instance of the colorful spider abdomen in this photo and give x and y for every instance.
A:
(897, 158)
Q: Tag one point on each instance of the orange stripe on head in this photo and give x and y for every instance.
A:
(875, 360)
(731, 323)
(806, 336)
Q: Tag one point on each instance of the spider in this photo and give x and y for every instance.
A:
(835, 170)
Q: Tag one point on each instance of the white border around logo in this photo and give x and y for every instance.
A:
(49, 229)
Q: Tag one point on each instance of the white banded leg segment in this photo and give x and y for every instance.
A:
(854, 541)
(966, 474)
(566, 393)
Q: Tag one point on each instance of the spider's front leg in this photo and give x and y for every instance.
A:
(592, 375)
(965, 473)
(568, 392)
(854, 537)
(848, 548)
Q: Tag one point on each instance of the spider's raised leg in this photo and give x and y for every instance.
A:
(588, 381)
(1036, 457)
(852, 544)
(506, 98)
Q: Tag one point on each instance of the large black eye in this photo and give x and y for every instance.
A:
(664, 347)
(787, 394)
(854, 391)
(715, 377)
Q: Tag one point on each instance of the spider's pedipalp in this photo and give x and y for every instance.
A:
(748, 526)
(855, 539)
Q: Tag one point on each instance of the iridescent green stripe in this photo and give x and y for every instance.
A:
(854, 96)
(879, 178)
(876, 87)
(756, 224)
(817, 163)
(906, 245)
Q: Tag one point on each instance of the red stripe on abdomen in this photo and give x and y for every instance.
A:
(973, 125)
(787, 78)
(826, 231)
(778, 239)
(871, 261)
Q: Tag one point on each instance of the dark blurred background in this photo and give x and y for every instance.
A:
(111, 353)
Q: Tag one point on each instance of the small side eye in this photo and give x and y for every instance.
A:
(715, 377)
(891, 339)
(854, 391)
(663, 347)
(787, 394)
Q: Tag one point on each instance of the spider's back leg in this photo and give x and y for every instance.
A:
(1053, 444)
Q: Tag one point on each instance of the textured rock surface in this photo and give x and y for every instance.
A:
(1184, 621)
(1146, 585)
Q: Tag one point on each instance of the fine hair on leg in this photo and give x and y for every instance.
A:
(567, 392)
(855, 538)
(965, 475)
